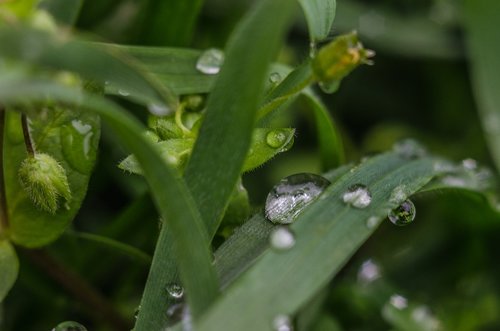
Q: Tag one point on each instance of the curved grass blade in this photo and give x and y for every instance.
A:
(328, 232)
(9, 268)
(319, 16)
(481, 18)
(225, 134)
(171, 197)
(94, 61)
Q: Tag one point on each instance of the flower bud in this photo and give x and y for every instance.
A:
(45, 181)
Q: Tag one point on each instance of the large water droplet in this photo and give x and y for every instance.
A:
(403, 214)
(275, 78)
(78, 140)
(282, 323)
(368, 272)
(69, 326)
(277, 138)
(282, 238)
(357, 196)
(175, 291)
(409, 149)
(159, 109)
(210, 61)
(289, 197)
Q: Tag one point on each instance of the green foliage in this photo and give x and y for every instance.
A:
(188, 243)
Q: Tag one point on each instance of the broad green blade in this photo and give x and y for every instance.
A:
(327, 234)
(9, 267)
(171, 196)
(319, 16)
(94, 61)
(170, 22)
(64, 11)
(481, 18)
(220, 150)
(71, 138)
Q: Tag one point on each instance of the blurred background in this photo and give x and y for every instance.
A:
(444, 266)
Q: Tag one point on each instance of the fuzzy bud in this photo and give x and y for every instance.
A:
(45, 181)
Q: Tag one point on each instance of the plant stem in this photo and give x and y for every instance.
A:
(73, 283)
(27, 137)
(4, 218)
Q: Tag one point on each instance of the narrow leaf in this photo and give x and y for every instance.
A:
(481, 18)
(9, 267)
(319, 16)
(64, 11)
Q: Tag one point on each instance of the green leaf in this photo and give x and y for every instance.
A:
(64, 11)
(9, 268)
(265, 144)
(224, 137)
(69, 136)
(328, 232)
(91, 60)
(171, 196)
(481, 18)
(319, 16)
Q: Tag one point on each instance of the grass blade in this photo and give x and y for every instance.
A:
(64, 11)
(319, 16)
(328, 232)
(225, 134)
(481, 18)
(171, 197)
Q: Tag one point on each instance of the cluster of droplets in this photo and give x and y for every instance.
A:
(69, 326)
(467, 174)
(420, 317)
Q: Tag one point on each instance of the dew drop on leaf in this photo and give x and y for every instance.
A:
(398, 194)
(69, 326)
(282, 323)
(409, 149)
(159, 109)
(291, 195)
(282, 238)
(210, 61)
(403, 214)
(277, 138)
(329, 87)
(275, 77)
(357, 196)
(398, 301)
(123, 93)
(368, 272)
(373, 221)
(175, 291)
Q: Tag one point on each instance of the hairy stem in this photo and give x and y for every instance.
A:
(27, 137)
(4, 219)
(79, 288)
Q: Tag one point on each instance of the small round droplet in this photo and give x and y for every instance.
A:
(291, 195)
(409, 149)
(282, 238)
(175, 291)
(469, 164)
(373, 221)
(69, 326)
(403, 214)
(275, 78)
(159, 109)
(123, 93)
(368, 272)
(210, 61)
(277, 138)
(329, 87)
(357, 196)
(398, 301)
(282, 323)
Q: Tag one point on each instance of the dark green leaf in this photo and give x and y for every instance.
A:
(64, 11)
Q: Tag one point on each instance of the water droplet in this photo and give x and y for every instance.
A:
(291, 195)
(69, 326)
(403, 214)
(443, 166)
(277, 138)
(210, 61)
(137, 311)
(275, 78)
(357, 196)
(329, 87)
(398, 301)
(175, 291)
(398, 195)
(469, 164)
(282, 238)
(159, 109)
(454, 181)
(373, 221)
(423, 316)
(282, 323)
(79, 144)
(368, 272)
(123, 93)
(409, 149)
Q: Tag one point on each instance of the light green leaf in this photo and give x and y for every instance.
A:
(69, 136)
(328, 232)
(9, 267)
(481, 18)
(265, 144)
(319, 16)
